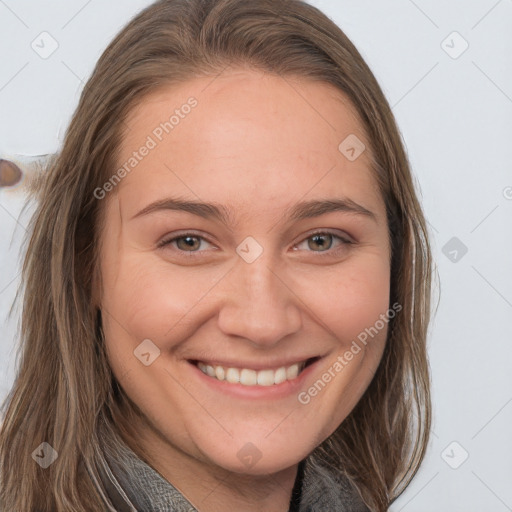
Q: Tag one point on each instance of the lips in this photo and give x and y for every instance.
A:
(251, 377)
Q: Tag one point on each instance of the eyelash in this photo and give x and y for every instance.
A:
(327, 252)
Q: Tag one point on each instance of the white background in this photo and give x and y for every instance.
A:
(455, 115)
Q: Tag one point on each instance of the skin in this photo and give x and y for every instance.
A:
(258, 144)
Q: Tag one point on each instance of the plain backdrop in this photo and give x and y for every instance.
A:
(446, 70)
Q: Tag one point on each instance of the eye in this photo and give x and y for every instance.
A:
(187, 242)
(324, 241)
(320, 241)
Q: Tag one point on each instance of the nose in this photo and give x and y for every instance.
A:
(258, 305)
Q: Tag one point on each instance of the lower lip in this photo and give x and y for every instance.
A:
(282, 390)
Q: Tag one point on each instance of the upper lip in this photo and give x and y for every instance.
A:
(254, 365)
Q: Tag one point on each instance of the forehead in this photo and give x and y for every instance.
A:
(244, 136)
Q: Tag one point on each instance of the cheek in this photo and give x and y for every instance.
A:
(348, 298)
(150, 297)
(352, 304)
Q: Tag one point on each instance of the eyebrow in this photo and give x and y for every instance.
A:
(299, 211)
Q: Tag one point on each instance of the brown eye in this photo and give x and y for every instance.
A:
(190, 243)
(323, 242)
(10, 173)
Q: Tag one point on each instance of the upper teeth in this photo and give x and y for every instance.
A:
(249, 377)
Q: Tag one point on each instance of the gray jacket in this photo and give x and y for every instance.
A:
(133, 486)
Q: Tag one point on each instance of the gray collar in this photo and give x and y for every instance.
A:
(134, 486)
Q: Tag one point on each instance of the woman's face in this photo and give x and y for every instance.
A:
(209, 259)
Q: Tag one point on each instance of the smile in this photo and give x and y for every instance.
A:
(250, 377)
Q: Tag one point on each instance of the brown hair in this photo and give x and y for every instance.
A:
(64, 387)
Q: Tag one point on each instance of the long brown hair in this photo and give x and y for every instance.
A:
(64, 388)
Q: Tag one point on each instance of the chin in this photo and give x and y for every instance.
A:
(257, 457)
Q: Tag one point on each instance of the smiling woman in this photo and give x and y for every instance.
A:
(225, 305)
